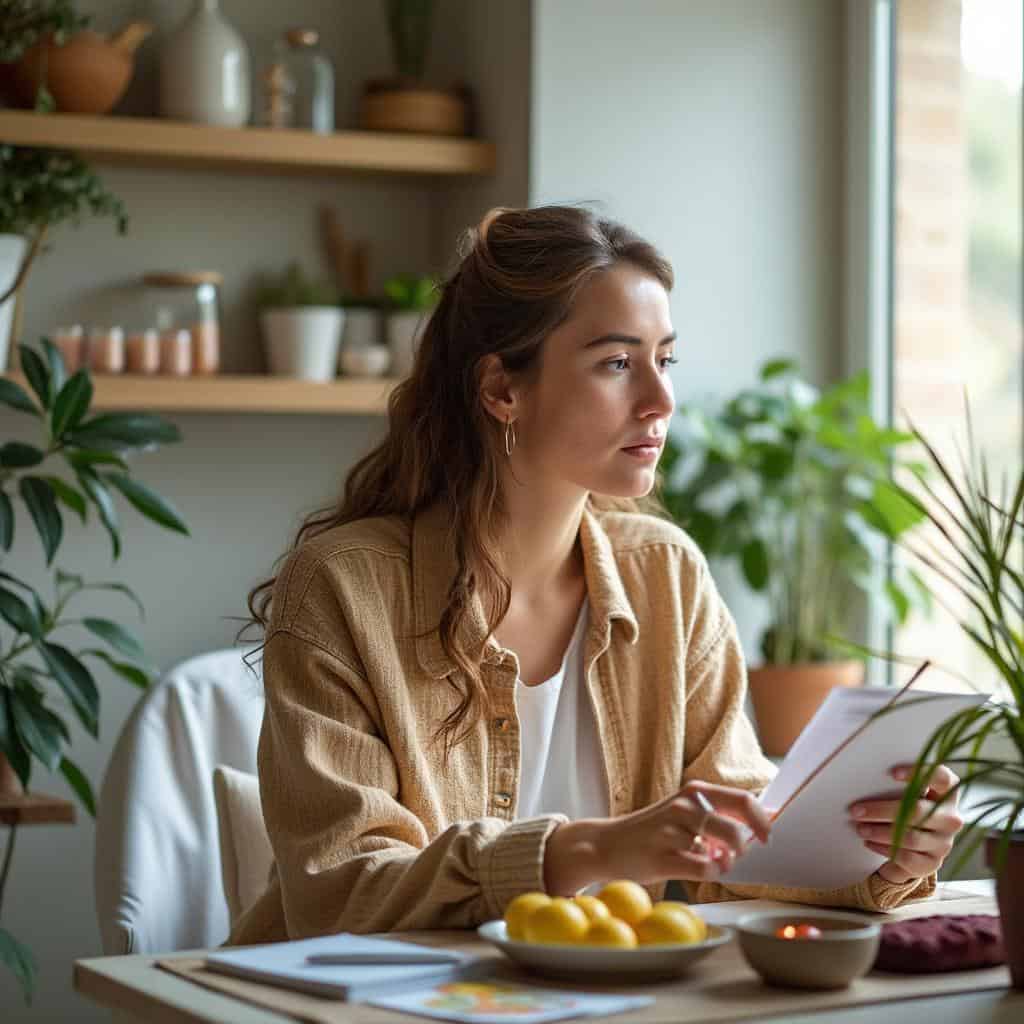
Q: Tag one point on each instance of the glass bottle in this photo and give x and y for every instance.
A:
(313, 77)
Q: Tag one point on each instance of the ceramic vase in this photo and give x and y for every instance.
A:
(303, 341)
(204, 70)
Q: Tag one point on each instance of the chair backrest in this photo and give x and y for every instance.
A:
(158, 871)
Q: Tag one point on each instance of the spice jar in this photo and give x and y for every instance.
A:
(191, 302)
(176, 352)
(106, 350)
(142, 351)
(70, 341)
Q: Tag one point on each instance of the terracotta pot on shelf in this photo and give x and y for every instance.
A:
(406, 105)
(1010, 896)
(786, 697)
(10, 784)
(87, 75)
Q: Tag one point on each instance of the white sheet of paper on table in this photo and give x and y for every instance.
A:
(814, 844)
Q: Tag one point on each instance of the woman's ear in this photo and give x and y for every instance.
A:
(499, 393)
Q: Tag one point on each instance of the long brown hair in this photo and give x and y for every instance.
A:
(518, 275)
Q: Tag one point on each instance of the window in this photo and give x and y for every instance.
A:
(956, 257)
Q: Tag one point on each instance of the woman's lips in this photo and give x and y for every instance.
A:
(647, 452)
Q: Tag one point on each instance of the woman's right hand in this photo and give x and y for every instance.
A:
(655, 843)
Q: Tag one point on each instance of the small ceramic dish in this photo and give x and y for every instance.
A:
(845, 949)
(606, 964)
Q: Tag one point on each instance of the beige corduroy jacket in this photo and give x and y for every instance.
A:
(372, 831)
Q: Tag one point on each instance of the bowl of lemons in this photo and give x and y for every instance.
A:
(617, 934)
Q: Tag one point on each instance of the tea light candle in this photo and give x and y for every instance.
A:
(798, 931)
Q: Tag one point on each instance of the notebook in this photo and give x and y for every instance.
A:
(286, 964)
(845, 753)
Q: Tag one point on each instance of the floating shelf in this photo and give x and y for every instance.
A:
(35, 809)
(141, 140)
(253, 393)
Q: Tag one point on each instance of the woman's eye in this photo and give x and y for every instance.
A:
(623, 364)
(669, 361)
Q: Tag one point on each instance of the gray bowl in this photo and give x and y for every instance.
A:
(845, 951)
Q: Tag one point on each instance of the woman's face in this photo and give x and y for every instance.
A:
(598, 409)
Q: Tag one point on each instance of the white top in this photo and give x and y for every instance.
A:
(561, 768)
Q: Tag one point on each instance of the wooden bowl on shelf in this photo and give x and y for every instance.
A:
(410, 108)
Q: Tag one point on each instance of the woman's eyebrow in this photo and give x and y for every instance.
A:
(627, 339)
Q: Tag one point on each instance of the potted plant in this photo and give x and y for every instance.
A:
(795, 485)
(410, 297)
(42, 682)
(38, 189)
(404, 103)
(978, 552)
(302, 322)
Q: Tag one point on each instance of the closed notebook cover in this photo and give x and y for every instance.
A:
(285, 964)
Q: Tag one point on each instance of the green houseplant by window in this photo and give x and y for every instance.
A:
(41, 679)
(978, 551)
(794, 485)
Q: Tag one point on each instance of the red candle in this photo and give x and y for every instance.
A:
(798, 931)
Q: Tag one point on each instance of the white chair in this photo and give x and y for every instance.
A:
(158, 864)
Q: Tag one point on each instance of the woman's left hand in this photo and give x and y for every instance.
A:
(923, 849)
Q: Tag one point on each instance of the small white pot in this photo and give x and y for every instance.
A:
(12, 252)
(404, 332)
(364, 360)
(303, 341)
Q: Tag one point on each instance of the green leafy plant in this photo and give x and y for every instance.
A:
(40, 677)
(43, 187)
(978, 552)
(293, 288)
(409, 24)
(411, 292)
(796, 486)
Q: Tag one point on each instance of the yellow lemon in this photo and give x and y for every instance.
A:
(610, 931)
(520, 909)
(679, 907)
(560, 922)
(592, 907)
(667, 926)
(627, 900)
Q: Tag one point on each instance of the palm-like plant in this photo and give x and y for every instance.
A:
(979, 555)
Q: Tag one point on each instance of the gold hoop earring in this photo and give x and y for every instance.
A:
(510, 438)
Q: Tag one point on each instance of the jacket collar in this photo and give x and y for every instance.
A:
(433, 570)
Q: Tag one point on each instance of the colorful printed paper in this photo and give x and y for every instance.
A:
(487, 1003)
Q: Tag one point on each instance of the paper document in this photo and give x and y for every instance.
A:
(814, 844)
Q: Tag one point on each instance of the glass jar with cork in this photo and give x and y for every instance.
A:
(184, 308)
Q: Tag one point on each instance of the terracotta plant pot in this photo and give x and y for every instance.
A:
(787, 696)
(10, 784)
(1010, 895)
(87, 75)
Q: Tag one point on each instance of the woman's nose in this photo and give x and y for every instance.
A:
(659, 397)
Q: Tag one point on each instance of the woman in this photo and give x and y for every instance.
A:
(487, 671)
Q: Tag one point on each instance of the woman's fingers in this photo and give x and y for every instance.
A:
(936, 844)
(914, 864)
(737, 803)
(940, 783)
(713, 826)
(874, 811)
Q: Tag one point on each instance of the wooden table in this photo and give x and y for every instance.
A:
(721, 989)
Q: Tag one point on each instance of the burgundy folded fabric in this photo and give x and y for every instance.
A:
(928, 945)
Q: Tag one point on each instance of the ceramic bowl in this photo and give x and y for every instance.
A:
(604, 965)
(845, 950)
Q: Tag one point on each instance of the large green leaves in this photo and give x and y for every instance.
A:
(100, 496)
(14, 396)
(15, 455)
(79, 783)
(116, 635)
(76, 682)
(148, 502)
(119, 431)
(20, 961)
(41, 731)
(42, 506)
(38, 375)
(18, 614)
(71, 405)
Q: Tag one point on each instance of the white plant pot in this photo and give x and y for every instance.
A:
(204, 70)
(404, 332)
(303, 342)
(12, 252)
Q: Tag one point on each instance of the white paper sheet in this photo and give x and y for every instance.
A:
(814, 844)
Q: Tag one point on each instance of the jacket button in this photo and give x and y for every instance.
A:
(502, 724)
(503, 799)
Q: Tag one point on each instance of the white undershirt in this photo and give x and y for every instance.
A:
(560, 766)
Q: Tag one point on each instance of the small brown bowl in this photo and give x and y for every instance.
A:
(845, 950)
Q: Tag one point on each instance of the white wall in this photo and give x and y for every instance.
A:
(242, 482)
(714, 128)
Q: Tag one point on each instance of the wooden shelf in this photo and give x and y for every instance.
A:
(36, 809)
(253, 393)
(141, 140)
